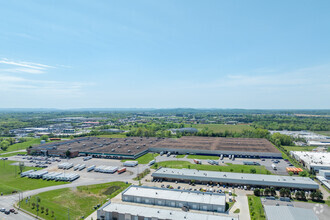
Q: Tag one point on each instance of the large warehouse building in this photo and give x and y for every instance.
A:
(125, 211)
(313, 160)
(175, 198)
(135, 147)
(257, 180)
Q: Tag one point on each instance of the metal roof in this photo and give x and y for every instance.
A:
(161, 213)
(289, 213)
(237, 178)
(177, 195)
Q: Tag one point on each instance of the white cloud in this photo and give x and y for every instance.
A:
(24, 67)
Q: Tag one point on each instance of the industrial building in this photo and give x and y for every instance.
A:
(134, 147)
(288, 213)
(175, 198)
(129, 211)
(313, 160)
(257, 180)
(324, 177)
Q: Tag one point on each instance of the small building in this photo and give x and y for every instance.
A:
(288, 213)
(184, 130)
(202, 201)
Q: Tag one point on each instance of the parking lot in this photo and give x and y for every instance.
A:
(322, 211)
(130, 173)
(281, 165)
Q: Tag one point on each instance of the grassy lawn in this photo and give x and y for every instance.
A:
(229, 205)
(145, 159)
(256, 209)
(112, 135)
(203, 157)
(180, 156)
(11, 181)
(298, 148)
(221, 127)
(21, 146)
(11, 154)
(80, 201)
(229, 168)
(237, 211)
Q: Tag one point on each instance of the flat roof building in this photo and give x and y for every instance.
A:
(134, 147)
(313, 160)
(289, 213)
(186, 175)
(128, 211)
(175, 198)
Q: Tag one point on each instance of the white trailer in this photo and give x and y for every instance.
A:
(89, 169)
(26, 173)
(130, 163)
(152, 162)
(87, 158)
(81, 167)
(221, 157)
(76, 167)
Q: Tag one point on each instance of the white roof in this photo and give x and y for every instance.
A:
(289, 213)
(313, 158)
(177, 195)
(161, 213)
(237, 178)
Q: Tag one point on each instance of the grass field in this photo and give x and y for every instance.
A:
(11, 154)
(112, 135)
(180, 156)
(24, 145)
(145, 159)
(203, 157)
(255, 207)
(221, 127)
(229, 168)
(326, 133)
(297, 148)
(80, 201)
(11, 181)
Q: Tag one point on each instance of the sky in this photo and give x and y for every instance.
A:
(252, 54)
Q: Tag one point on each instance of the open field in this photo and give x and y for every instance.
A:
(24, 145)
(79, 201)
(112, 135)
(236, 168)
(11, 154)
(11, 181)
(221, 127)
(256, 209)
(145, 159)
(180, 156)
(297, 148)
(203, 157)
(326, 133)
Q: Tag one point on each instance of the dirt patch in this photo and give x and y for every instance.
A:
(111, 190)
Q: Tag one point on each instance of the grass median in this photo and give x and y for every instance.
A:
(145, 159)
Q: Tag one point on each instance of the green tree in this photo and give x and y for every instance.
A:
(253, 170)
(4, 145)
(256, 192)
(44, 137)
(67, 153)
(21, 166)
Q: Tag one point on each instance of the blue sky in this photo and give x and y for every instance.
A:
(165, 54)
